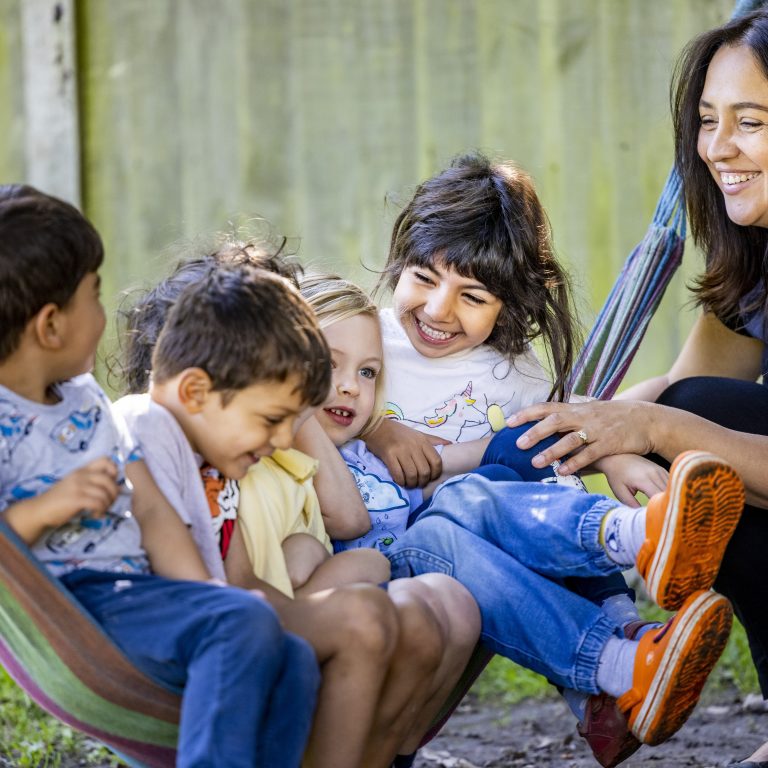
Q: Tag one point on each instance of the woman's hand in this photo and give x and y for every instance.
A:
(629, 475)
(610, 427)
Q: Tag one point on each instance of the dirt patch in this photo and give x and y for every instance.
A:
(543, 733)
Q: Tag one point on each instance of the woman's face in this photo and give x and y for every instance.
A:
(733, 136)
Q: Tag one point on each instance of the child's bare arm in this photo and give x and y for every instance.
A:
(341, 505)
(628, 474)
(303, 554)
(91, 488)
(410, 455)
(240, 571)
(169, 544)
(458, 458)
(355, 566)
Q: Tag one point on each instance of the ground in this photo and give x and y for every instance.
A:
(541, 732)
(538, 733)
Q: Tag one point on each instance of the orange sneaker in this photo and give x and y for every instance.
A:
(688, 527)
(672, 665)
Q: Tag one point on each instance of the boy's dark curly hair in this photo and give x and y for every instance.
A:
(46, 248)
(143, 314)
(243, 325)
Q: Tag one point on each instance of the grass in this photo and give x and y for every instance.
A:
(29, 738)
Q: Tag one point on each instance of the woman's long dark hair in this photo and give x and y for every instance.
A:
(736, 255)
(485, 221)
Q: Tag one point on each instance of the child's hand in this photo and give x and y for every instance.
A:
(628, 474)
(410, 455)
(92, 488)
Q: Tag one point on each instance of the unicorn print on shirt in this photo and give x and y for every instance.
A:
(460, 411)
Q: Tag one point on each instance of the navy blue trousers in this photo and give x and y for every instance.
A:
(248, 688)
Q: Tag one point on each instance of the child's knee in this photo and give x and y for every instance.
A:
(453, 603)
(423, 633)
(365, 565)
(367, 622)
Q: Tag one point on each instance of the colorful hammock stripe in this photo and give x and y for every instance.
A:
(53, 649)
(623, 321)
(128, 749)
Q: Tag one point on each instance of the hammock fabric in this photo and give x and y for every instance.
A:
(53, 649)
(638, 290)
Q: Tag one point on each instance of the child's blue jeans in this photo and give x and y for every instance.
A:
(249, 688)
(512, 544)
(502, 450)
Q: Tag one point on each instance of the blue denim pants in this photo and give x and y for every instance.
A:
(513, 544)
(502, 450)
(248, 688)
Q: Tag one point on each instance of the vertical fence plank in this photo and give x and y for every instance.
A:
(51, 130)
(12, 164)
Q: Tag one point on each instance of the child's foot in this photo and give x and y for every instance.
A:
(604, 727)
(672, 664)
(606, 731)
(688, 527)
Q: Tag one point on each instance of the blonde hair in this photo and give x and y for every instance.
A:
(334, 299)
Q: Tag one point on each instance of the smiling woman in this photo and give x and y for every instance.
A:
(710, 397)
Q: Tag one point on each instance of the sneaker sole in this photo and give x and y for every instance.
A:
(706, 498)
(698, 638)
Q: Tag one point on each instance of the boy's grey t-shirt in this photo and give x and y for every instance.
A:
(41, 444)
(175, 468)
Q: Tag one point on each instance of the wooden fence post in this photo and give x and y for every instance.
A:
(51, 135)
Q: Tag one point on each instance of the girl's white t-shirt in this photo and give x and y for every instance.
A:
(449, 396)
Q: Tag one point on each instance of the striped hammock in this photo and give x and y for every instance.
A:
(622, 322)
(61, 657)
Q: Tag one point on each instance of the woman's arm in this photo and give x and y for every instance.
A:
(625, 426)
(711, 349)
(636, 427)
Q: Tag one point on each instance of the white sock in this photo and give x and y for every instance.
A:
(620, 609)
(616, 666)
(623, 533)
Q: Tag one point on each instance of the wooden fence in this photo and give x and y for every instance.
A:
(168, 119)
